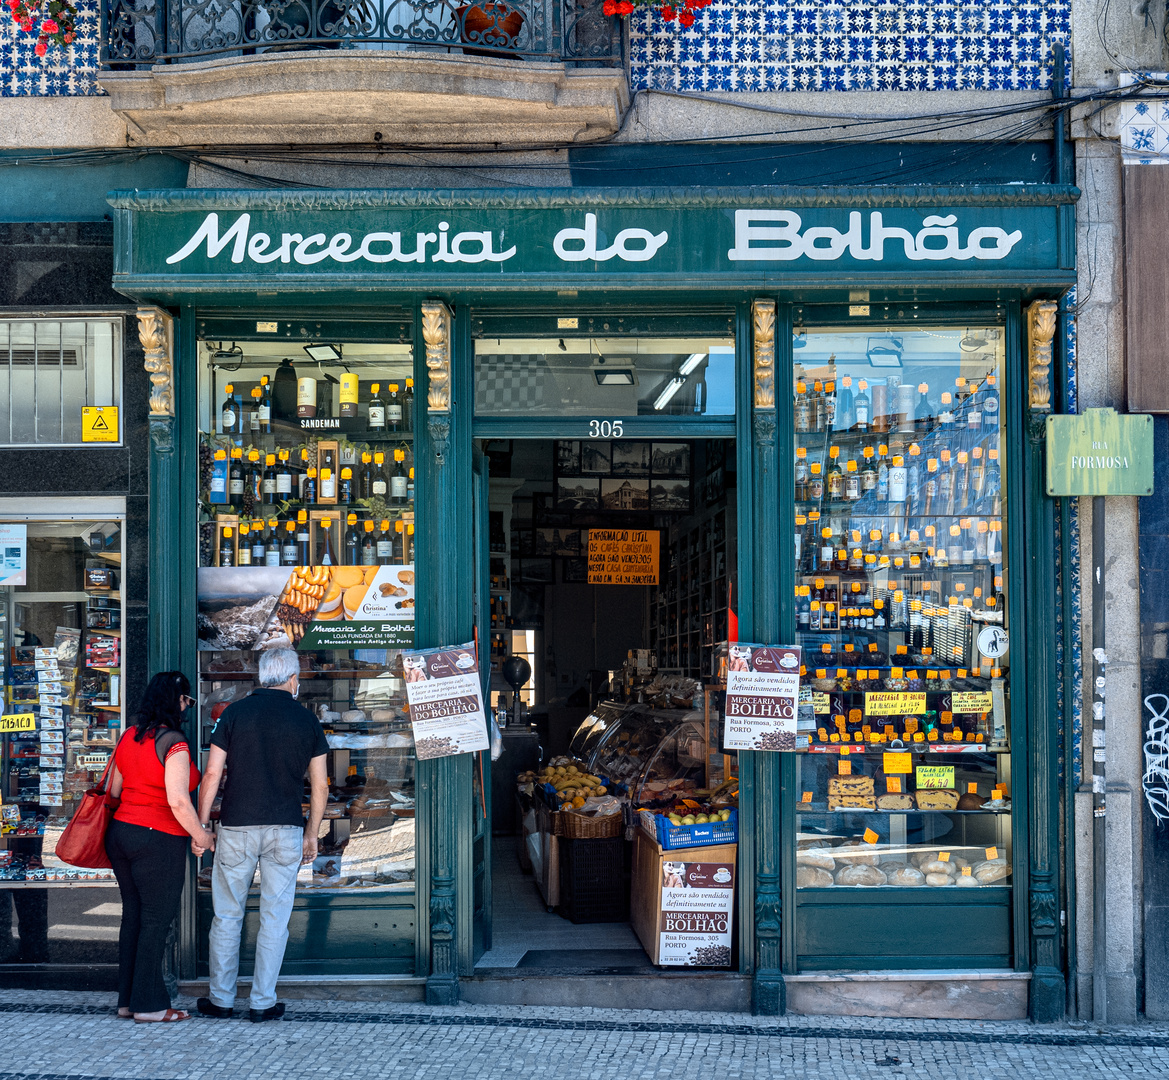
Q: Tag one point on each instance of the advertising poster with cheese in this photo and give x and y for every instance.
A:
(698, 901)
(446, 701)
(763, 687)
(305, 607)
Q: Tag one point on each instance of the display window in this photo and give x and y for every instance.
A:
(61, 627)
(904, 776)
(306, 541)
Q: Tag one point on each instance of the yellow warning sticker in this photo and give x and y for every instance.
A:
(99, 423)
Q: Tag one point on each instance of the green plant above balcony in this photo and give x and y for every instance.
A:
(54, 22)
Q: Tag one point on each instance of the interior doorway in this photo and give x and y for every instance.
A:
(614, 680)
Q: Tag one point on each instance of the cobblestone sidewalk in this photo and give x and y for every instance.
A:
(61, 1036)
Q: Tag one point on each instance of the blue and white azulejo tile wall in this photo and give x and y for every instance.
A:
(61, 73)
(769, 45)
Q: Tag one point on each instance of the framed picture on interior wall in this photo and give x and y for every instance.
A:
(527, 605)
(566, 542)
(595, 458)
(576, 571)
(543, 541)
(578, 492)
(536, 571)
(670, 459)
(568, 458)
(631, 458)
(669, 496)
(716, 455)
(629, 494)
(526, 545)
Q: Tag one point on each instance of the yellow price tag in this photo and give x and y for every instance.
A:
(943, 856)
(807, 797)
(871, 837)
(844, 768)
(992, 853)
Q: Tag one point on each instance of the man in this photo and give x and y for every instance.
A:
(265, 742)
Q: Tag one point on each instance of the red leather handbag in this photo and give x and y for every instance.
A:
(83, 843)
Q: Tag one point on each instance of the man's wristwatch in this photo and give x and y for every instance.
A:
(206, 825)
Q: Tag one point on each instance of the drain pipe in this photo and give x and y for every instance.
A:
(1099, 778)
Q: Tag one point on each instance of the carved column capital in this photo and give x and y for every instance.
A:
(436, 333)
(156, 331)
(1042, 320)
(763, 322)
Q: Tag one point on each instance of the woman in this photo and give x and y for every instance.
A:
(147, 843)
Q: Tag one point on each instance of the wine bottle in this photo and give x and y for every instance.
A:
(304, 550)
(229, 415)
(345, 489)
(863, 408)
(377, 410)
(272, 544)
(399, 553)
(254, 415)
(288, 545)
(845, 406)
(398, 479)
(385, 544)
(368, 546)
(259, 548)
(254, 478)
(365, 484)
(264, 412)
(352, 542)
(381, 482)
(269, 483)
(244, 557)
(235, 477)
(408, 406)
(393, 409)
(308, 492)
(408, 554)
(283, 478)
(226, 548)
(325, 556)
(328, 486)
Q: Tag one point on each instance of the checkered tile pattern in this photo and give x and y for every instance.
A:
(511, 383)
(769, 45)
(69, 73)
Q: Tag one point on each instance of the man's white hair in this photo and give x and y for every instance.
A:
(277, 666)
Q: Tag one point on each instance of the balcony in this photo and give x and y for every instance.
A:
(430, 72)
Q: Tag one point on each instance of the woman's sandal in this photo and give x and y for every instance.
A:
(171, 1016)
(125, 1015)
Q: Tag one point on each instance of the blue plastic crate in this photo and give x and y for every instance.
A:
(671, 837)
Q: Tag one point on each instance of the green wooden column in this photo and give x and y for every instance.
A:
(768, 991)
(444, 565)
(1048, 989)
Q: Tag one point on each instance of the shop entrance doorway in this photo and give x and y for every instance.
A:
(608, 583)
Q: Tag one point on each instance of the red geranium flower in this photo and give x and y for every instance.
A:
(668, 13)
(686, 19)
(49, 26)
(41, 48)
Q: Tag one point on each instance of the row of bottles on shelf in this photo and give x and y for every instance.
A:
(893, 405)
(278, 541)
(389, 409)
(913, 483)
(238, 478)
(925, 618)
(955, 543)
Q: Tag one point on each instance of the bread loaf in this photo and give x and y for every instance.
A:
(894, 802)
(812, 877)
(970, 801)
(856, 802)
(992, 870)
(850, 785)
(814, 857)
(967, 881)
(868, 876)
(907, 875)
(856, 853)
(938, 880)
(937, 867)
(937, 799)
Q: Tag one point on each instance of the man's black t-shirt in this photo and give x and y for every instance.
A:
(269, 740)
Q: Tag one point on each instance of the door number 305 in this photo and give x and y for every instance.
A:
(605, 429)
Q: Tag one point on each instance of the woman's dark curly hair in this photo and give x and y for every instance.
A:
(160, 709)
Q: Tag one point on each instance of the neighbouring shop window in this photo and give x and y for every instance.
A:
(901, 520)
(306, 540)
(61, 627)
(602, 376)
(50, 369)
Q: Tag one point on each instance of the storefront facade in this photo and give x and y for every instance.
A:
(410, 282)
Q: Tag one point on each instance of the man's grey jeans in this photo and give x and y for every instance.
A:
(277, 849)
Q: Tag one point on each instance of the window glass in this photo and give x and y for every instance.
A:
(61, 626)
(629, 376)
(307, 541)
(901, 595)
(49, 370)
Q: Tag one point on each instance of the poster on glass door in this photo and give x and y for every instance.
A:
(305, 607)
(13, 554)
(446, 701)
(763, 687)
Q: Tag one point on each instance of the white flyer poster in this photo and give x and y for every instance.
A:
(763, 688)
(446, 701)
(13, 554)
(698, 903)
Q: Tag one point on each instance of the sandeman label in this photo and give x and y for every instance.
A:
(99, 423)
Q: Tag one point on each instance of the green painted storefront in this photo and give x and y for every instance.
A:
(322, 263)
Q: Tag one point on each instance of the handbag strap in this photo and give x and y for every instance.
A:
(102, 784)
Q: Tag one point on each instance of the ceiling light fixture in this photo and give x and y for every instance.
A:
(691, 362)
(322, 353)
(885, 352)
(672, 387)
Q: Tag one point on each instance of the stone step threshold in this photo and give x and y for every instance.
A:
(966, 994)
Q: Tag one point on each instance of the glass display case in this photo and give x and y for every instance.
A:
(306, 541)
(654, 752)
(904, 776)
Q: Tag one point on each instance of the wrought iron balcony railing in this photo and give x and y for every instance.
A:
(142, 33)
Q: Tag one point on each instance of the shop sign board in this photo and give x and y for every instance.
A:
(697, 912)
(763, 688)
(1100, 452)
(305, 607)
(446, 701)
(18, 722)
(490, 236)
(13, 554)
(624, 556)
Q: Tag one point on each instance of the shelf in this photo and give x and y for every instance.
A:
(107, 670)
(114, 557)
(104, 633)
(101, 883)
(305, 676)
(932, 748)
(106, 708)
(104, 594)
(800, 812)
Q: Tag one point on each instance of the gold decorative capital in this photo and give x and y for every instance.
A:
(1041, 323)
(156, 331)
(436, 333)
(763, 319)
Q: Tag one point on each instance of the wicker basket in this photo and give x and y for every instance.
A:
(580, 827)
(549, 821)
